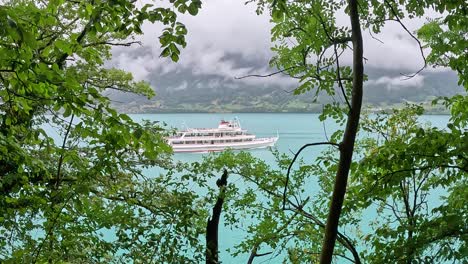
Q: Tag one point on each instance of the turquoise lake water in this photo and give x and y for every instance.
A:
(294, 130)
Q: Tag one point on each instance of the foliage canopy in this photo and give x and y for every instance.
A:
(72, 186)
(84, 195)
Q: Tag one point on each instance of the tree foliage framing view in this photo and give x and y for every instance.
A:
(81, 195)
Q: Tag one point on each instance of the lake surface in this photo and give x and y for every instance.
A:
(294, 130)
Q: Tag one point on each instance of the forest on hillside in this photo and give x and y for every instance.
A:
(199, 95)
(81, 182)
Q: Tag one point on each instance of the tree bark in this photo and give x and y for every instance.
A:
(211, 252)
(349, 138)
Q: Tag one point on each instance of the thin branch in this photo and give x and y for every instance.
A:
(342, 238)
(37, 250)
(345, 257)
(338, 76)
(304, 56)
(253, 254)
(126, 44)
(325, 129)
(294, 159)
(63, 151)
(267, 75)
(263, 254)
(95, 18)
(409, 76)
(345, 241)
(111, 86)
(372, 36)
(395, 210)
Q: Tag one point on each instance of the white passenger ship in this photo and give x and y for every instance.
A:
(228, 135)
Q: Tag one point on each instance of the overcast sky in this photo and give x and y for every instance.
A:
(228, 31)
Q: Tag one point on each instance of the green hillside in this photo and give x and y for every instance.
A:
(385, 89)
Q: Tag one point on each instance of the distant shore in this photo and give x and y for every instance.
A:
(429, 110)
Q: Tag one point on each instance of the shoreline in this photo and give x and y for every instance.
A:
(169, 113)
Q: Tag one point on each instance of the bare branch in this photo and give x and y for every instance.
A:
(341, 40)
(409, 76)
(372, 36)
(62, 151)
(254, 254)
(338, 76)
(267, 75)
(342, 239)
(125, 44)
(294, 159)
(324, 128)
(263, 254)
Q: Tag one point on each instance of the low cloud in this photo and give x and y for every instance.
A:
(228, 39)
(394, 83)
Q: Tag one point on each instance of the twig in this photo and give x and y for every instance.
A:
(126, 44)
(372, 36)
(62, 151)
(338, 76)
(254, 254)
(294, 159)
(325, 129)
(409, 76)
(267, 75)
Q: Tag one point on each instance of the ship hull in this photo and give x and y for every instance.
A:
(201, 148)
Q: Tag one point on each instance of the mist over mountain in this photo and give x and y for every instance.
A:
(187, 89)
(203, 80)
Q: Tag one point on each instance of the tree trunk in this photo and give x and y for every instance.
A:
(347, 145)
(211, 252)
